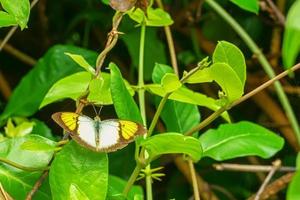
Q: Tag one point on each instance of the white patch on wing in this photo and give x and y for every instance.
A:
(109, 133)
(86, 130)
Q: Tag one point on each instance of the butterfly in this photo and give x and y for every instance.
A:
(101, 136)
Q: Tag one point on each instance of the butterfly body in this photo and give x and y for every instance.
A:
(101, 136)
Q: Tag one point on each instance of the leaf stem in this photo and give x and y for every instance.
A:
(141, 93)
(141, 96)
(157, 114)
(132, 179)
(194, 179)
(263, 61)
(16, 165)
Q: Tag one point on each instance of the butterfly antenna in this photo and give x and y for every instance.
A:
(100, 110)
(94, 109)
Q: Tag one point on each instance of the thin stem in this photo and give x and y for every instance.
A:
(250, 168)
(207, 121)
(194, 180)
(170, 42)
(110, 43)
(157, 114)
(37, 185)
(263, 61)
(16, 165)
(141, 95)
(132, 179)
(276, 165)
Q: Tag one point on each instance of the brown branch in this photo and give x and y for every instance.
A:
(204, 189)
(250, 168)
(37, 185)
(170, 42)
(276, 165)
(4, 87)
(18, 54)
(276, 35)
(275, 186)
(277, 12)
(3, 194)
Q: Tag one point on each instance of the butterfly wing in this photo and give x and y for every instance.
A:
(115, 134)
(102, 136)
(81, 128)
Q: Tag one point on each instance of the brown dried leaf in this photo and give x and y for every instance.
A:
(122, 5)
(142, 4)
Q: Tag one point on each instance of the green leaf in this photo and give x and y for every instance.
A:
(298, 161)
(116, 186)
(6, 19)
(53, 66)
(76, 193)
(79, 59)
(177, 116)
(180, 117)
(154, 47)
(155, 17)
(170, 82)
(249, 5)
(200, 76)
(42, 129)
(159, 71)
(19, 9)
(170, 143)
(18, 183)
(100, 90)
(293, 188)
(240, 139)
(291, 42)
(11, 149)
(21, 129)
(79, 168)
(228, 80)
(72, 87)
(186, 95)
(230, 54)
(124, 104)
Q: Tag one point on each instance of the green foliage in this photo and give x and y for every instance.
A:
(21, 129)
(52, 67)
(124, 104)
(115, 189)
(291, 43)
(17, 12)
(182, 94)
(226, 52)
(155, 17)
(170, 143)
(249, 5)
(16, 150)
(240, 139)
(6, 19)
(82, 62)
(293, 189)
(177, 116)
(79, 170)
